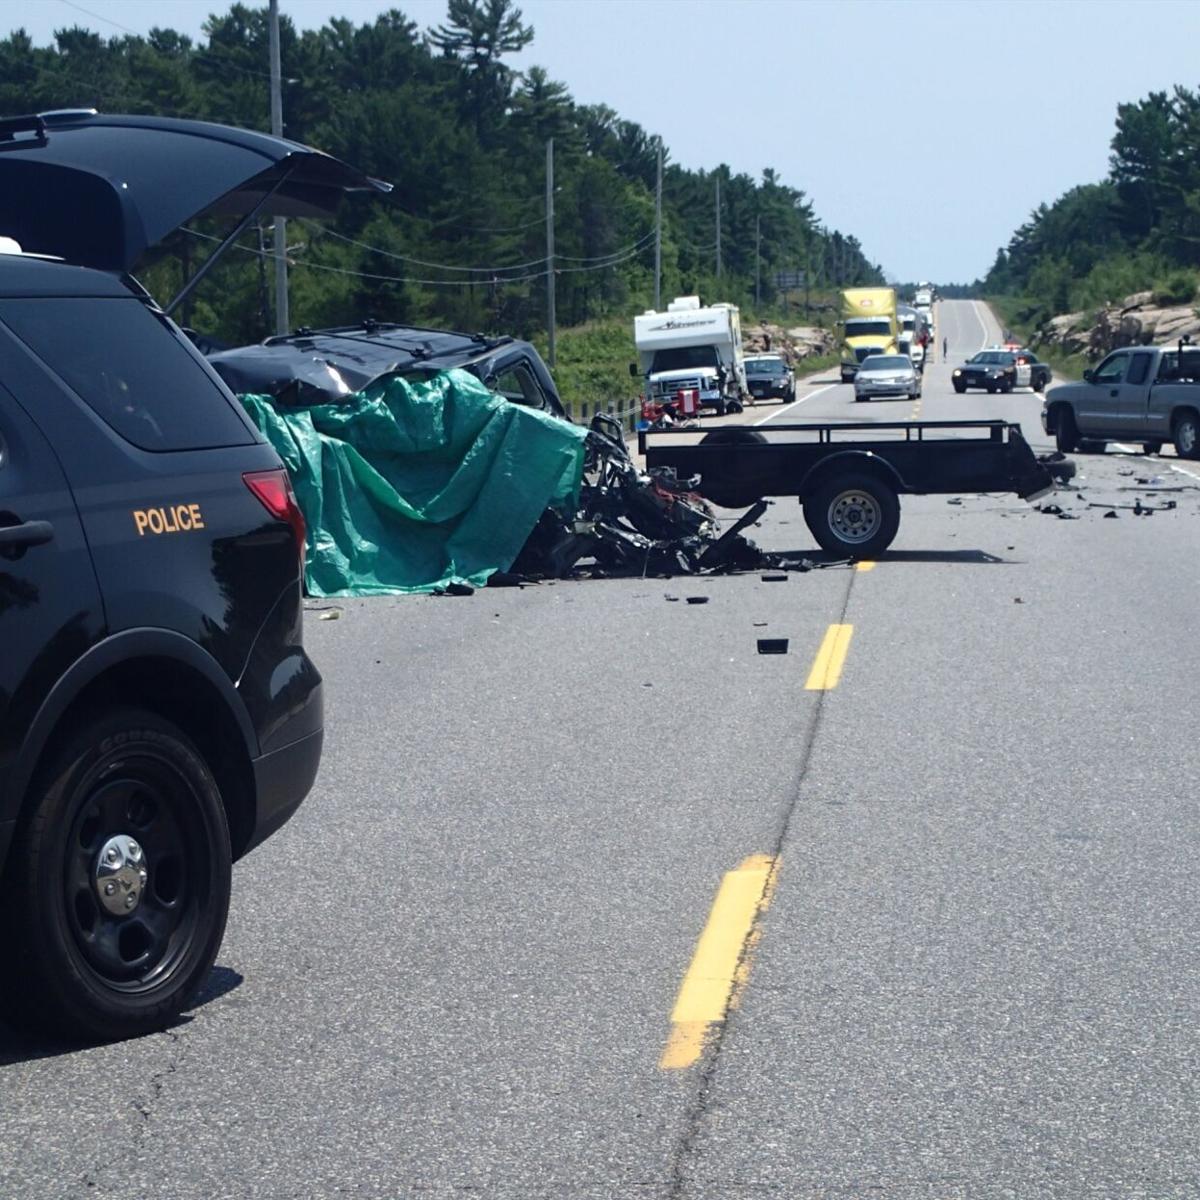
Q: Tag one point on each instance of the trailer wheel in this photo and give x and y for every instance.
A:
(1151, 447)
(853, 515)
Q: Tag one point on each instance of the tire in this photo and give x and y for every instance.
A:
(1093, 446)
(733, 407)
(1151, 447)
(1066, 435)
(1005, 388)
(125, 792)
(720, 408)
(1186, 434)
(853, 515)
(960, 388)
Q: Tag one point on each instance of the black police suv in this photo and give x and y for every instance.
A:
(159, 716)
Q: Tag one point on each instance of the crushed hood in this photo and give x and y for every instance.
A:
(99, 190)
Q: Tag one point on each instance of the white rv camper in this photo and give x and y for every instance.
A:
(692, 348)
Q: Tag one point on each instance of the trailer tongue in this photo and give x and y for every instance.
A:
(849, 476)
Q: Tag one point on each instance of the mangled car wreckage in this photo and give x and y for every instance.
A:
(426, 459)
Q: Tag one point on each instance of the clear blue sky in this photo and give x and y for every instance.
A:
(929, 130)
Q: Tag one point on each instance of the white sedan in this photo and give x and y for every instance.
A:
(884, 376)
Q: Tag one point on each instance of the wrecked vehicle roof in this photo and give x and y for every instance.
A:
(100, 189)
(323, 365)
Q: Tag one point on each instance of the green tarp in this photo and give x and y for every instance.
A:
(411, 486)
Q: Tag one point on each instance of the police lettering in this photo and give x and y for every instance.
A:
(177, 518)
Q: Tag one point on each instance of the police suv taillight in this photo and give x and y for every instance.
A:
(274, 491)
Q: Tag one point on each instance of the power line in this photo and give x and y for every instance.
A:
(492, 282)
(643, 241)
(420, 262)
(303, 262)
(221, 62)
(490, 270)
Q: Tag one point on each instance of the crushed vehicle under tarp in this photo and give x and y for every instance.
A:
(419, 485)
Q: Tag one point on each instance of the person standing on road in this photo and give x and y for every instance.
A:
(945, 349)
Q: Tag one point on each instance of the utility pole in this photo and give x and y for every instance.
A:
(282, 316)
(718, 226)
(658, 232)
(550, 244)
(757, 244)
(807, 270)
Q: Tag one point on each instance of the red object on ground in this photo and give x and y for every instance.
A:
(689, 401)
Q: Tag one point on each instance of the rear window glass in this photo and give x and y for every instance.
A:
(131, 369)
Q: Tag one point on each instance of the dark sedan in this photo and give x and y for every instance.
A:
(995, 371)
(768, 375)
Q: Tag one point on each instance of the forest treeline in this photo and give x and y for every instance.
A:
(442, 115)
(1138, 229)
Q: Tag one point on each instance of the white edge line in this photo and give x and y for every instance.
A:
(1171, 466)
(788, 407)
(982, 326)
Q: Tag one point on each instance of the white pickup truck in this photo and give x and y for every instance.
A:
(1149, 395)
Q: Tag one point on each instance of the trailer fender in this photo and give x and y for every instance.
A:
(851, 462)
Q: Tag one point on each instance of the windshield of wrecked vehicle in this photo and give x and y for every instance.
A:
(886, 362)
(865, 327)
(765, 366)
(680, 358)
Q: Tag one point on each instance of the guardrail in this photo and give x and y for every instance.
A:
(628, 412)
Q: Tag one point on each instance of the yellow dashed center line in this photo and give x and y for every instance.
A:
(827, 666)
(720, 964)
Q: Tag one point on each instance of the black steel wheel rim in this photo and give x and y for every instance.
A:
(140, 795)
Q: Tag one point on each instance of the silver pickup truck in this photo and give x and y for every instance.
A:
(1143, 394)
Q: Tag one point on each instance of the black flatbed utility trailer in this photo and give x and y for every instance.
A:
(849, 476)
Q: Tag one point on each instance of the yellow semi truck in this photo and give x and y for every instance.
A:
(869, 326)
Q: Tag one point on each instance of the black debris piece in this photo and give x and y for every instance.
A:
(772, 645)
(697, 599)
(1061, 468)
(1111, 514)
(1138, 508)
(774, 579)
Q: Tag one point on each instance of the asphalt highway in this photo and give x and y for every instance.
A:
(594, 900)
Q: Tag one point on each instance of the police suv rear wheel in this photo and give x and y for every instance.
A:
(117, 889)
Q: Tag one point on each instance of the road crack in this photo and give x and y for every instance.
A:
(686, 1146)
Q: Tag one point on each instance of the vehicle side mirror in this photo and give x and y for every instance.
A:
(1087, 375)
(633, 371)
